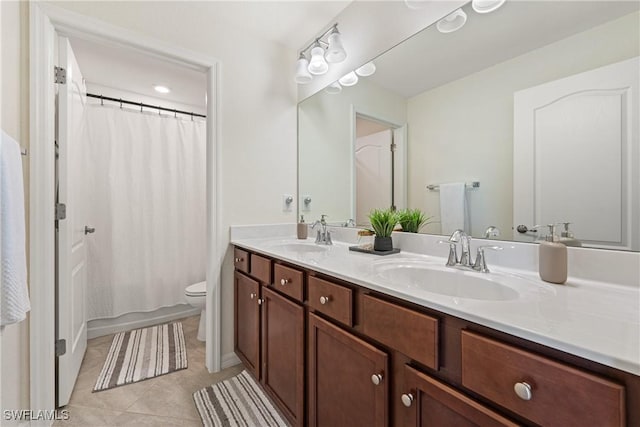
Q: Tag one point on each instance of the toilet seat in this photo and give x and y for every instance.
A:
(196, 290)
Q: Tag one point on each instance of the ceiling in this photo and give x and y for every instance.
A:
(431, 59)
(290, 23)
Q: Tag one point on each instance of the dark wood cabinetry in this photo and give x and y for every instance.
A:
(368, 359)
(428, 402)
(247, 322)
(283, 354)
(348, 378)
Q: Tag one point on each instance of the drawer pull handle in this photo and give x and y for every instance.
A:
(324, 300)
(407, 399)
(239, 259)
(284, 281)
(376, 379)
(523, 390)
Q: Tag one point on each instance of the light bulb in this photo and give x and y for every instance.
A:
(349, 79)
(366, 70)
(302, 71)
(452, 22)
(318, 65)
(335, 52)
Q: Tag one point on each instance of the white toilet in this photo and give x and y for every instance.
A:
(196, 297)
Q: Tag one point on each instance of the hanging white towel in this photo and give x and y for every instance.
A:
(453, 207)
(14, 295)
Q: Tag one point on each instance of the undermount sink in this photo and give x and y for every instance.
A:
(453, 282)
(300, 247)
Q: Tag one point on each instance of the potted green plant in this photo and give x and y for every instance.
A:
(412, 220)
(383, 221)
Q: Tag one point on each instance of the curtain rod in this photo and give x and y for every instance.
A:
(141, 105)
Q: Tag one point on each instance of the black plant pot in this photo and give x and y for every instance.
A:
(382, 243)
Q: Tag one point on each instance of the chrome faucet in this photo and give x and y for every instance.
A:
(491, 231)
(480, 264)
(350, 223)
(323, 236)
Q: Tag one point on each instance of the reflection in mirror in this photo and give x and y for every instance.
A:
(537, 102)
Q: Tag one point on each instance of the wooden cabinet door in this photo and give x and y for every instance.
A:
(430, 403)
(283, 354)
(341, 378)
(247, 322)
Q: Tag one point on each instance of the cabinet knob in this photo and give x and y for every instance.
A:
(252, 295)
(523, 390)
(376, 379)
(238, 259)
(284, 281)
(324, 300)
(260, 301)
(407, 399)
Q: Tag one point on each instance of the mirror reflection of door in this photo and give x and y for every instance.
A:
(374, 167)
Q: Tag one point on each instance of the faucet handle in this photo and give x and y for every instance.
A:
(327, 238)
(481, 263)
(453, 253)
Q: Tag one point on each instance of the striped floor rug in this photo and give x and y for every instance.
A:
(238, 401)
(143, 353)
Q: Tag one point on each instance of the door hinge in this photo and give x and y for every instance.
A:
(59, 75)
(393, 147)
(61, 347)
(61, 211)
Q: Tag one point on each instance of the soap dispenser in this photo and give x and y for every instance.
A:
(303, 230)
(552, 258)
(567, 238)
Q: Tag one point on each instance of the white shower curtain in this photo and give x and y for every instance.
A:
(147, 180)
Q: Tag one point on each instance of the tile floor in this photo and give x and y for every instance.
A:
(162, 401)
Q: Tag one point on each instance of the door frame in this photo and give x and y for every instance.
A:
(46, 21)
(400, 154)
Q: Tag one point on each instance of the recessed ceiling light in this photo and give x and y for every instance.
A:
(486, 6)
(161, 89)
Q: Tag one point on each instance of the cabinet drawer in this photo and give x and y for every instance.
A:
(288, 281)
(331, 299)
(429, 402)
(410, 332)
(241, 260)
(560, 395)
(261, 268)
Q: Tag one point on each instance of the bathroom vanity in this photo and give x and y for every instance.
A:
(337, 341)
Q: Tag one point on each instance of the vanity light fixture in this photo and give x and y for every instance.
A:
(334, 88)
(302, 70)
(322, 53)
(366, 70)
(452, 22)
(486, 6)
(161, 89)
(349, 79)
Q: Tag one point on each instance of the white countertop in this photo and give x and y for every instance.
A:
(596, 321)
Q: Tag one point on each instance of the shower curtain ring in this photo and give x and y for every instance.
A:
(121, 103)
(141, 107)
(191, 116)
(101, 101)
(159, 110)
(175, 114)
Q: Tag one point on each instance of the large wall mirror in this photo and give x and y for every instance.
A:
(532, 110)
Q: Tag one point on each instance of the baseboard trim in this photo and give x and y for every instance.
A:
(229, 360)
(126, 322)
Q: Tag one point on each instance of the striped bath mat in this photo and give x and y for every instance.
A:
(238, 401)
(143, 353)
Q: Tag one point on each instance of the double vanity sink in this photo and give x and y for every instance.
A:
(407, 331)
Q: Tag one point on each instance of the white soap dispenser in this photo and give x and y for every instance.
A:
(303, 230)
(552, 258)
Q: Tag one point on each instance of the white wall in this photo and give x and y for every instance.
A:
(326, 156)
(14, 339)
(463, 131)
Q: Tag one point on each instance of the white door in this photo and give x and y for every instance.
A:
(373, 174)
(577, 156)
(72, 252)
